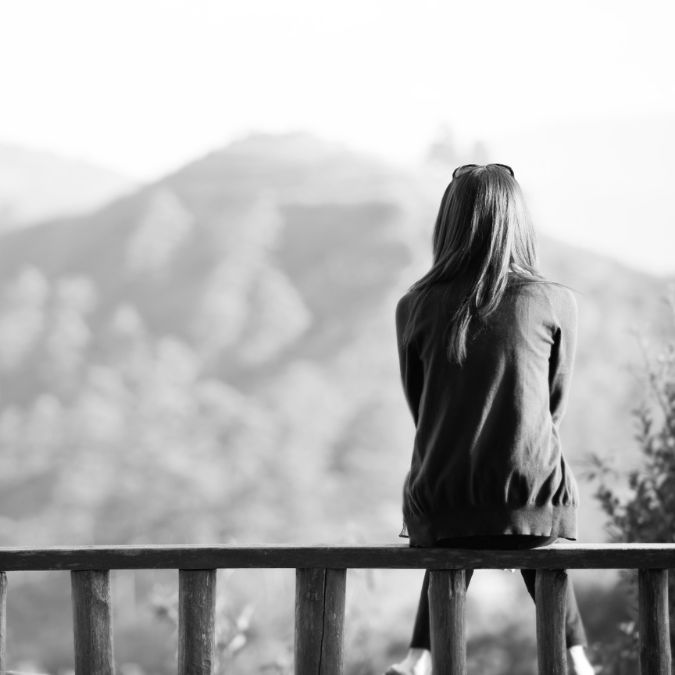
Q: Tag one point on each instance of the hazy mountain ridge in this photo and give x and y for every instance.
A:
(227, 332)
(212, 358)
(36, 184)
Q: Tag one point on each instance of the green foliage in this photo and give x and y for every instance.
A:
(644, 510)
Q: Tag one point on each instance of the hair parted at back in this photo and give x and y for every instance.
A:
(483, 237)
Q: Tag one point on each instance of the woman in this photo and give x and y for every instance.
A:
(486, 347)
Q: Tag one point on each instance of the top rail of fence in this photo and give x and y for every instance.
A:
(394, 556)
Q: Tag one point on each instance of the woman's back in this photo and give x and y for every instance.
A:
(487, 457)
(486, 346)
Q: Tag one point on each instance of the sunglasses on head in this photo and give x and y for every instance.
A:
(467, 167)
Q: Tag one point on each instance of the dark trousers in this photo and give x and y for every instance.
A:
(575, 633)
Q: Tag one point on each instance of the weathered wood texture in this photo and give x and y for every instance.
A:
(550, 598)
(92, 622)
(3, 623)
(447, 592)
(394, 556)
(196, 621)
(653, 624)
(319, 621)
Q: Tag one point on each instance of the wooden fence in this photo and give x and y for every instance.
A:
(320, 596)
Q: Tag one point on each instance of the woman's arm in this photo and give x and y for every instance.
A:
(410, 363)
(563, 352)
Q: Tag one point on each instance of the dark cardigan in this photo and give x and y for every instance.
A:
(487, 456)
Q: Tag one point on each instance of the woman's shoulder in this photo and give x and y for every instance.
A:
(403, 304)
(402, 313)
(430, 294)
(554, 291)
(558, 299)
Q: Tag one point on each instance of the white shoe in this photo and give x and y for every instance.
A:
(416, 662)
(580, 663)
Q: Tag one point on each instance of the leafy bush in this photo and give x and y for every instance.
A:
(644, 509)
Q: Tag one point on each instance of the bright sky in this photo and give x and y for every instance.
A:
(143, 86)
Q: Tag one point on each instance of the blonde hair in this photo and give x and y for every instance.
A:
(482, 238)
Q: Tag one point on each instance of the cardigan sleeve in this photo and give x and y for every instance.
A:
(409, 362)
(563, 352)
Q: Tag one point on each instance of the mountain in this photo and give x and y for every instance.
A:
(211, 357)
(227, 332)
(35, 185)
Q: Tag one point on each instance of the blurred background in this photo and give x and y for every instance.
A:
(208, 211)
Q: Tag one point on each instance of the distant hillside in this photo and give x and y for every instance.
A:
(222, 341)
(35, 185)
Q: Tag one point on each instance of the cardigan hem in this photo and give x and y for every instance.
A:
(544, 521)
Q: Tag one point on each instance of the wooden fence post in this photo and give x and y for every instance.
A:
(319, 620)
(653, 623)
(3, 622)
(550, 593)
(196, 621)
(447, 593)
(92, 622)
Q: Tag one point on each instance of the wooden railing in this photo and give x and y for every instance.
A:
(320, 596)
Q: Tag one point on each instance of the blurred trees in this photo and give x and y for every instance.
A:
(644, 509)
(212, 358)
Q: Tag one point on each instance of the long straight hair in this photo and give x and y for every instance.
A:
(483, 238)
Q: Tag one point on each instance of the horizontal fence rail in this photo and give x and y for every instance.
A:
(320, 596)
(391, 556)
